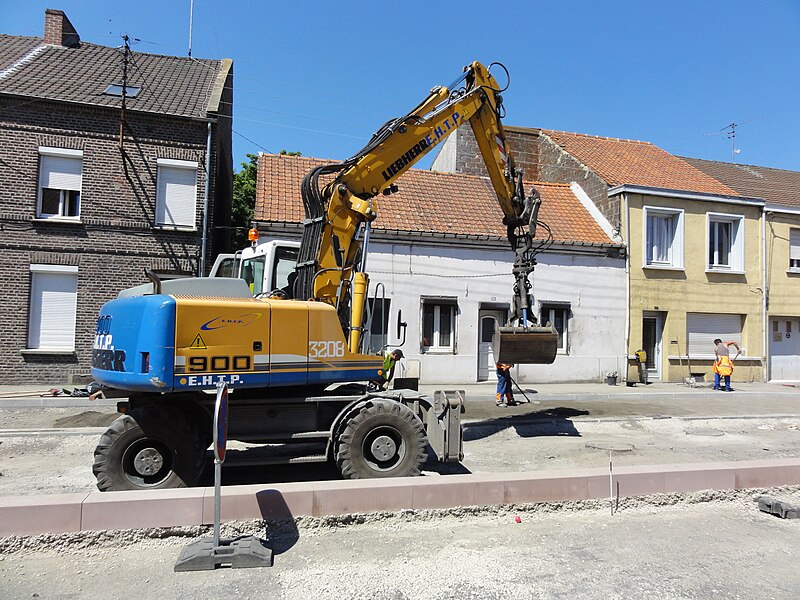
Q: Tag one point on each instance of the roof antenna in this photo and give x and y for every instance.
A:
(729, 131)
(191, 19)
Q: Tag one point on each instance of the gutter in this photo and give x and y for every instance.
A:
(204, 235)
(454, 239)
(628, 282)
(764, 296)
(685, 195)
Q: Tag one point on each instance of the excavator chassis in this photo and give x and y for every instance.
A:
(533, 345)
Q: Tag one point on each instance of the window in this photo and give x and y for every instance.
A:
(253, 273)
(177, 193)
(59, 183)
(284, 265)
(663, 245)
(438, 325)
(725, 242)
(53, 305)
(704, 328)
(378, 333)
(794, 250)
(115, 89)
(558, 315)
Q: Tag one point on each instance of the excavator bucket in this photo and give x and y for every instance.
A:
(525, 345)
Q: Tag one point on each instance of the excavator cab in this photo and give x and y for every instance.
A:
(529, 345)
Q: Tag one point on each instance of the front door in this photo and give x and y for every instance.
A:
(651, 344)
(487, 321)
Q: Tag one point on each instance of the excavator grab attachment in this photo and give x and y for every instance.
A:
(532, 345)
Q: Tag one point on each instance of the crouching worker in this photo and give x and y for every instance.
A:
(504, 396)
(389, 363)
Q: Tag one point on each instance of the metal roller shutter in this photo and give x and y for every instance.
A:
(704, 328)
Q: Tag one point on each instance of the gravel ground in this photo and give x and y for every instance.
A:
(60, 462)
(701, 545)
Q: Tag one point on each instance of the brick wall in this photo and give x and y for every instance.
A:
(542, 160)
(522, 144)
(116, 239)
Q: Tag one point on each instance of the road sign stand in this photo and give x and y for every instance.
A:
(238, 553)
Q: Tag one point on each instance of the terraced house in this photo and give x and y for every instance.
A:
(112, 162)
(780, 189)
(695, 246)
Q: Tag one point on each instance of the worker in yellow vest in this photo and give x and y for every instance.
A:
(723, 365)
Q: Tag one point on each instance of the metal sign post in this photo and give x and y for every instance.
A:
(238, 553)
(220, 446)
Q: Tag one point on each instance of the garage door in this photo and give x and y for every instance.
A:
(784, 349)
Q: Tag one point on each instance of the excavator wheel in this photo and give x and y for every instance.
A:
(149, 448)
(525, 345)
(383, 439)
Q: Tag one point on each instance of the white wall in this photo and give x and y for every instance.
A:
(594, 286)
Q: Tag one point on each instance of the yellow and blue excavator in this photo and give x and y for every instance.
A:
(165, 345)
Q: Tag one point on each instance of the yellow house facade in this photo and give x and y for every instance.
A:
(695, 274)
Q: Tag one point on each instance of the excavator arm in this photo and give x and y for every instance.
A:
(340, 209)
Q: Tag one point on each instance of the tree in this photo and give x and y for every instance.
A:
(244, 201)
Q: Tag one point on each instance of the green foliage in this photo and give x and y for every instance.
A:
(244, 201)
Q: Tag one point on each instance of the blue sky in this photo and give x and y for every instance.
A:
(319, 77)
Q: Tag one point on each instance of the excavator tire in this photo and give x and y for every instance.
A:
(383, 439)
(152, 448)
(525, 345)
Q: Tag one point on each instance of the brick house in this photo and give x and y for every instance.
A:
(92, 197)
(439, 256)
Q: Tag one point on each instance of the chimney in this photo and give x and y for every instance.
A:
(58, 30)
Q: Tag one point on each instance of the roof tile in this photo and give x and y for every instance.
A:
(170, 84)
(631, 162)
(776, 186)
(429, 202)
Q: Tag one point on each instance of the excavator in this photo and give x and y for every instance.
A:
(294, 364)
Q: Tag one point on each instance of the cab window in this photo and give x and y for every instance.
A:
(253, 273)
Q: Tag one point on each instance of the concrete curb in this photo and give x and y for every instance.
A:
(32, 515)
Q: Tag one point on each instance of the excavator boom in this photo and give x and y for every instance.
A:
(331, 265)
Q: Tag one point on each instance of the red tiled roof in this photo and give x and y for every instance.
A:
(776, 186)
(620, 162)
(429, 202)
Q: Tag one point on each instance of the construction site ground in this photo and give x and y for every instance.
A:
(710, 544)
(47, 449)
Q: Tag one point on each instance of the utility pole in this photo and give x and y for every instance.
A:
(126, 48)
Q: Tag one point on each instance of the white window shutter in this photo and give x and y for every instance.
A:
(794, 242)
(177, 196)
(60, 173)
(53, 307)
(704, 328)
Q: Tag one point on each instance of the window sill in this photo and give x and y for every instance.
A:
(663, 267)
(438, 351)
(793, 271)
(725, 271)
(174, 228)
(40, 351)
(711, 357)
(61, 220)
